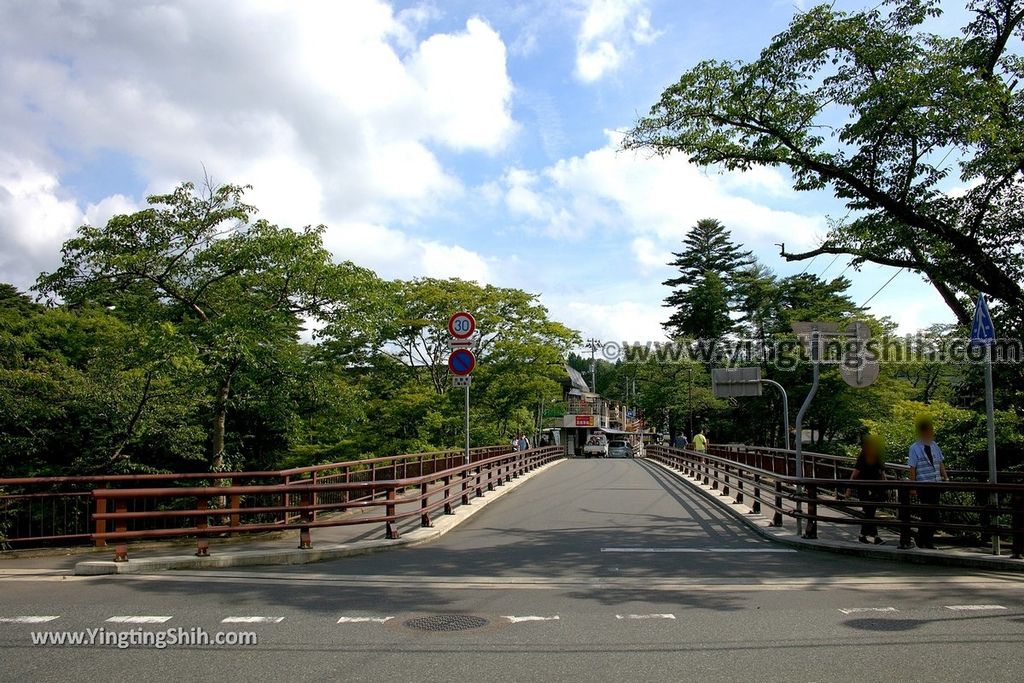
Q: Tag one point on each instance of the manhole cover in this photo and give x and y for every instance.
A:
(447, 622)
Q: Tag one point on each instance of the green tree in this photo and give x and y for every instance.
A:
(708, 266)
(197, 265)
(871, 105)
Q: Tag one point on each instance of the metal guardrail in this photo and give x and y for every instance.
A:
(300, 503)
(761, 479)
(40, 511)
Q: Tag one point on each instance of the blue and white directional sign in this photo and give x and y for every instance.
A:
(983, 332)
(461, 362)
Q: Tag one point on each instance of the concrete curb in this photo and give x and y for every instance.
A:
(249, 558)
(763, 527)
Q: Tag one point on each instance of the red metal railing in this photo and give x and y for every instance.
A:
(37, 511)
(964, 507)
(300, 503)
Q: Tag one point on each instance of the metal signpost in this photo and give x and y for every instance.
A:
(461, 362)
(983, 333)
(729, 382)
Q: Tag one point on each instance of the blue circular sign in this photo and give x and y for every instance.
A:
(461, 362)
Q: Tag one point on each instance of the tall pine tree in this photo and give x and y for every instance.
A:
(707, 283)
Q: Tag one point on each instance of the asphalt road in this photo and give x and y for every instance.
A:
(593, 570)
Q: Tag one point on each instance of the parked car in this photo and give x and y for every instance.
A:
(596, 447)
(620, 449)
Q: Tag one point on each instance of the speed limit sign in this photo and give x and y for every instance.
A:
(461, 325)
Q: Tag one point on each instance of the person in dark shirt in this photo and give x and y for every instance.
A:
(870, 467)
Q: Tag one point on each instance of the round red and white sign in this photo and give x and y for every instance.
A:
(461, 325)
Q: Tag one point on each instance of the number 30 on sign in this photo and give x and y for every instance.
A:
(461, 325)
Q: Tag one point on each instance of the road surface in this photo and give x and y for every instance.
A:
(594, 570)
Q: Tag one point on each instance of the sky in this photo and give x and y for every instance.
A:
(475, 139)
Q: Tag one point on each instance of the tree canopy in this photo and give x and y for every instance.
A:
(871, 105)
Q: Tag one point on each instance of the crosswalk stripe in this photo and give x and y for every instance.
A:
(130, 619)
(516, 620)
(26, 620)
(856, 610)
(252, 620)
(973, 608)
(364, 620)
(645, 616)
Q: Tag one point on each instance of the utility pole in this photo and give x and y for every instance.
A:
(593, 344)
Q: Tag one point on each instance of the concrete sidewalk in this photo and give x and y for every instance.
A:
(353, 538)
(842, 538)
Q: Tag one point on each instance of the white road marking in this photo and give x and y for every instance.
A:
(856, 610)
(516, 620)
(645, 616)
(973, 608)
(698, 550)
(26, 620)
(138, 620)
(364, 620)
(252, 620)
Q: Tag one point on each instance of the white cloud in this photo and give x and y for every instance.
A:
(395, 254)
(607, 35)
(332, 111)
(34, 219)
(658, 198)
(618, 321)
(648, 256)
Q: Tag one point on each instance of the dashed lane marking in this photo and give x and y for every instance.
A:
(252, 620)
(857, 610)
(698, 550)
(517, 620)
(645, 616)
(133, 619)
(364, 620)
(28, 619)
(973, 608)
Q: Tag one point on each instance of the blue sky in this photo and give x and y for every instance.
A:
(476, 139)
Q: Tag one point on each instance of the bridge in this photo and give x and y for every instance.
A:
(678, 565)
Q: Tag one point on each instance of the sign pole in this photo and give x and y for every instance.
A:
(983, 332)
(990, 414)
(467, 425)
(799, 449)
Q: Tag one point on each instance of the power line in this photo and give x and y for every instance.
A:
(815, 258)
(882, 287)
(830, 265)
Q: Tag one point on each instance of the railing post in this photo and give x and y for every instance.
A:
(739, 487)
(201, 522)
(424, 514)
(756, 507)
(479, 481)
(390, 527)
(777, 516)
(906, 533)
(286, 499)
(812, 512)
(101, 524)
(447, 480)
(234, 519)
(725, 476)
(305, 538)
(121, 525)
(465, 487)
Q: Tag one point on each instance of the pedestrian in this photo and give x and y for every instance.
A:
(522, 443)
(926, 465)
(700, 442)
(682, 441)
(870, 466)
